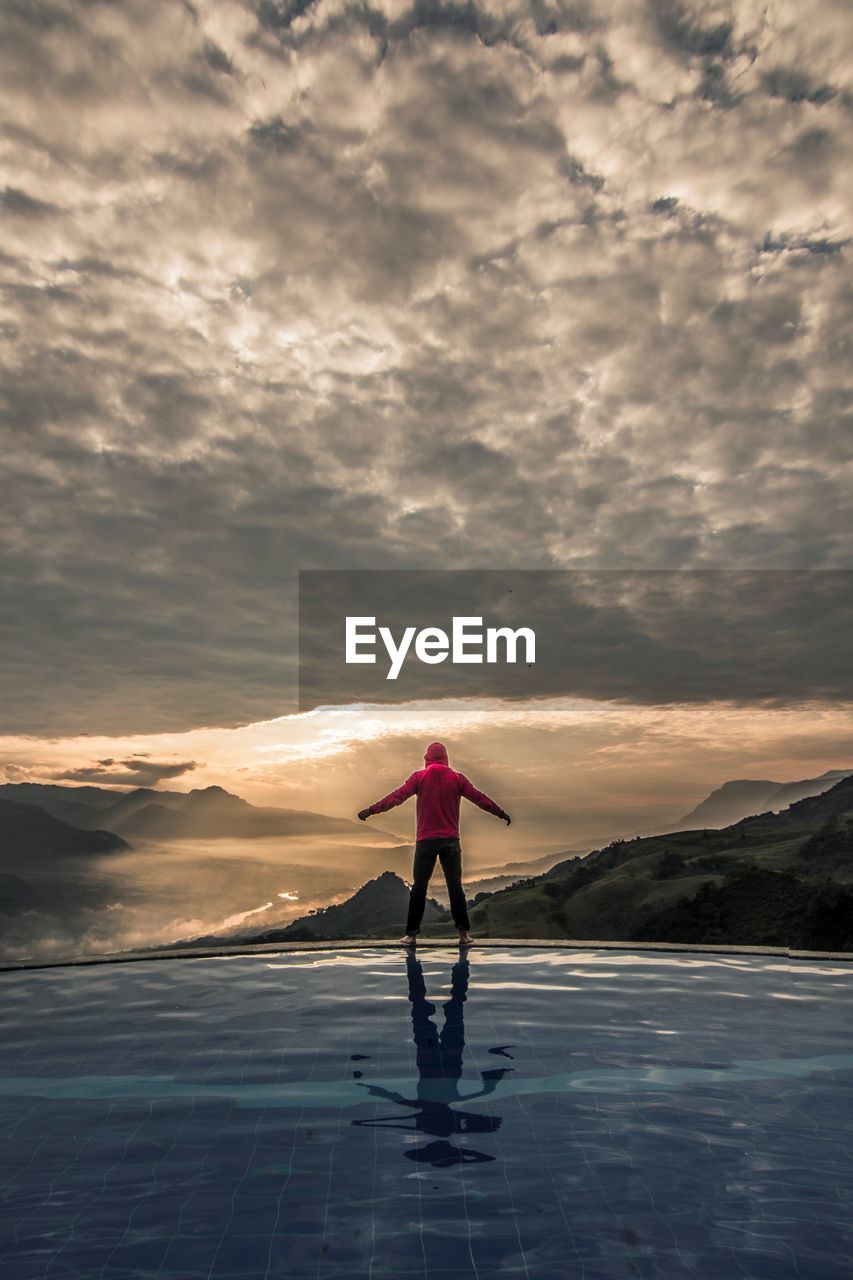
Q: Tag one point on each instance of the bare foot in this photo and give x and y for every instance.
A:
(409, 939)
(464, 939)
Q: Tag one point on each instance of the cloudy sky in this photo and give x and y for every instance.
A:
(398, 285)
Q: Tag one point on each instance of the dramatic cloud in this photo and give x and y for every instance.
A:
(135, 771)
(414, 284)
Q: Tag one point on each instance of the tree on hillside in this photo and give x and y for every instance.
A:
(829, 850)
(669, 864)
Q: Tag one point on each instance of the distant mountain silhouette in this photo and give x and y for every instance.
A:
(377, 908)
(86, 806)
(212, 813)
(28, 831)
(525, 866)
(46, 793)
(203, 813)
(825, 807)
(78, 805)
(790, 792)
(744, 797)
(124, 807)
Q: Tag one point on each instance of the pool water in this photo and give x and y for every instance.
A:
(539, 1113)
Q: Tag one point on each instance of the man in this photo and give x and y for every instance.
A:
(438, 788)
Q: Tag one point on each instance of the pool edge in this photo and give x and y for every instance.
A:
(348, 944)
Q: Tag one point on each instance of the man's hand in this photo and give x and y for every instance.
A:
(507, 819)
(363, 814)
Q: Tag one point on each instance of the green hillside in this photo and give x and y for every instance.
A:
(776, 880)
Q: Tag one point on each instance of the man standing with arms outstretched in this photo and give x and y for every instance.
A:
(439, 789)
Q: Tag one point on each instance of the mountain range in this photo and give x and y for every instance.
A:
(772, 879)
(206, 813)
(657, 885)
(746, 796)
(29, 829)
(214, 813)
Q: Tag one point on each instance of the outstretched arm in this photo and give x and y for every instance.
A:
(393, 798)
(379, 1091)
(479, 798)
(490, 1079)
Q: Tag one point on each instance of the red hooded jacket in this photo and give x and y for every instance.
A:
(438, 788)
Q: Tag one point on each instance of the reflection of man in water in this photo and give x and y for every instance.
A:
(439, 1059)
(439, 789)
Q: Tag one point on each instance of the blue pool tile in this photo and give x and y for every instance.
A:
(200, 1120)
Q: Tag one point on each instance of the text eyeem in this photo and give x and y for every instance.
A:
(467, 642)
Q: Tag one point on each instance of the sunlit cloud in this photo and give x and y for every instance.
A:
(134, 771)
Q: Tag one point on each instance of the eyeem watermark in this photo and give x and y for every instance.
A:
(386, 636)
(467, 642)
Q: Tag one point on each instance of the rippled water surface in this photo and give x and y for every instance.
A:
(534, 1113)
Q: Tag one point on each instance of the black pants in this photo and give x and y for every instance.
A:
(449, 851)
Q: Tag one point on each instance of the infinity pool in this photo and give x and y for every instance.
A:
(545, 1113)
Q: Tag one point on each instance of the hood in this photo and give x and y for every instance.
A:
(436, 753)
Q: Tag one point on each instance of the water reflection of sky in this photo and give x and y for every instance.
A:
(532, 1112)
